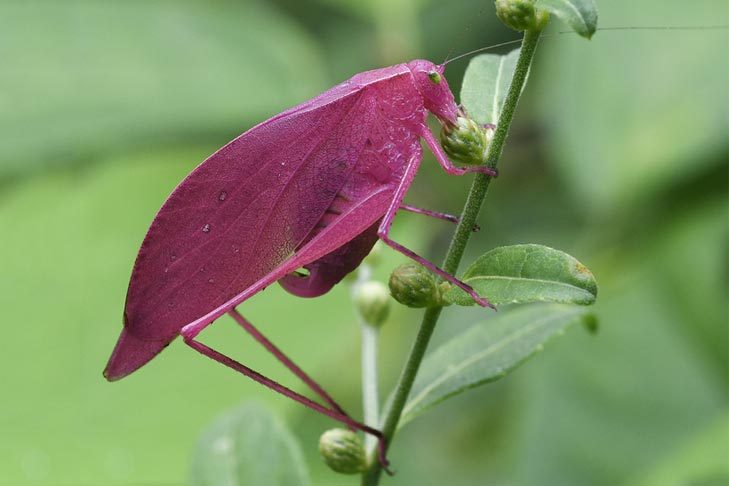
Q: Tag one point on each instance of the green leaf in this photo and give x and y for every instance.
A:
(248, 445)
(521, 274)
(81, 78)
(488, 351)
(581, 15)
(485, 85)
(618, 145)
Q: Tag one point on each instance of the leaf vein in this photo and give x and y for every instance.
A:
(577, 11)
(525, 279)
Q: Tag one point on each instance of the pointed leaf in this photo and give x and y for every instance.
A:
(485, 85)
(248, 445)
(581, 15)
(488, 351)
(527, 273)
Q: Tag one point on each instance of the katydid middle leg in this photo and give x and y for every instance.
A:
(435, 214)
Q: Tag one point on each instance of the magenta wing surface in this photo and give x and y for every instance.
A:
(306, 188)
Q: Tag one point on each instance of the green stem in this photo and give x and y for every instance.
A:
(370, 395)
(476, 196)
(370, 334)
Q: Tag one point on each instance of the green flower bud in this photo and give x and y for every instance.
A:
(466, 141)
(521, 15)
(414, 286)
(343, 451)
(542, 18)
(372, 301)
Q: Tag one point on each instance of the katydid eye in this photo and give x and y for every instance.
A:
(434, 77)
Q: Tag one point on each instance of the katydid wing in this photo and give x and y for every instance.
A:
(312, 187)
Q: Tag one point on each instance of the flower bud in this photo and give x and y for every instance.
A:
(466, 141)
(343, 451)
(521, 15)
(372, 302)
(414, 286)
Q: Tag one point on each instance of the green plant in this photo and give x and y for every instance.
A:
(617, 155)
(552, 283)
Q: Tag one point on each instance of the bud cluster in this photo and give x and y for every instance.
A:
(370, 298)
(521, 15)
(415, 286)
(372, 301)
(465, 141)
(343, 451)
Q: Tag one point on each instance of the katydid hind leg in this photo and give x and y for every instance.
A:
(287, 392)
(384, 233)
(285, 360)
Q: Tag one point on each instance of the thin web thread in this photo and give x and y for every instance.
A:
(516, 41)
(463, 34)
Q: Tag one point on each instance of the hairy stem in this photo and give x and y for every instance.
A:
(476, 196)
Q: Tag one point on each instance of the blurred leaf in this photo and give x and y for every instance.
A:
(521, 274)
(486, 84)
(642, 389)
(81, 78)
(581, 15)
(633, 112)
(373, 9)
(394, 25)
(248, 445)
(488, 351)
(700, 462)
(699, 293)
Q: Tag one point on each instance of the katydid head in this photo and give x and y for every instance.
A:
(434, 89)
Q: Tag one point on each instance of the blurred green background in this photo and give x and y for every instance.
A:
(619, 156)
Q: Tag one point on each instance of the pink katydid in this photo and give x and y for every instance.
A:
(312, 187)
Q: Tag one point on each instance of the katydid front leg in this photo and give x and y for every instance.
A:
(445, 162)
(384, 233)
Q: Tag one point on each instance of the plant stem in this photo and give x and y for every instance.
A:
(370, 379)
(476, 196)
(370, 395)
